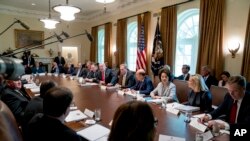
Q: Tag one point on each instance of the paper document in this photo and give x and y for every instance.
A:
(89, 84)
(75, 116)
(94, 132)
(157, 101)
(30, 86)
(182, 107)
(35, 90)
(170, 138)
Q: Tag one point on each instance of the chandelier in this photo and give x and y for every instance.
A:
(48, 22)
(67, 12)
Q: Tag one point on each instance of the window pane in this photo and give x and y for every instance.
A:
(187, 40)
(132, 44)
(101, 33)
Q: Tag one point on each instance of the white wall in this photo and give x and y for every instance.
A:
(72, 28)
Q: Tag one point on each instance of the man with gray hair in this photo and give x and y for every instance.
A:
(126, 78)
(209, 79)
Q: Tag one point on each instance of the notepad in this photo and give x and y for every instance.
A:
(94, 132)
(75, 116)
(170, 138)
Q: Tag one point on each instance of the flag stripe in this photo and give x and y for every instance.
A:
(141, 53)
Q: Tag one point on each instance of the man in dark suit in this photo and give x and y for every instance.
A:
(236, 106)
(60, 61)
(107, 75)
(28, 62)
(144, 84)
(126, 78)
(49, 126)
(185, 73)
(209, 79)
(93, 75)
(85, 73)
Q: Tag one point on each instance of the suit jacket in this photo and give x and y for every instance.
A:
(85, 73)
(37, 70)
(109, 76)
(211, 80)
(62, 63)
(169, 92)
(15, 100)
(26, 60)
(95, 76)
(145, 87)
(181, 77)
(225, 108)
(130, 79)
(44, 128)
(201, 99)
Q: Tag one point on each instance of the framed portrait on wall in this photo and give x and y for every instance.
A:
(28, 38)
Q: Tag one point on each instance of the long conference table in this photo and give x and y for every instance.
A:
(108, 101)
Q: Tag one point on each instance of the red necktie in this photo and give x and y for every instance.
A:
(233, 113)
(103, 77)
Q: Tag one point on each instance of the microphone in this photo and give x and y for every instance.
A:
(66, 35)
(59, 38)
(23, 24)
(89, 36)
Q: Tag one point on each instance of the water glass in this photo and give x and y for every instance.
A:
(188, 116)
(199, 136)
(98, 114)
(164, 102)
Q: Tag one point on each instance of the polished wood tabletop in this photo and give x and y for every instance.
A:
(108, 101)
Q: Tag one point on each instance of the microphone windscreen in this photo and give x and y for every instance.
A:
(66, 35)
(89, 36)
(59, 38)
(23, 25)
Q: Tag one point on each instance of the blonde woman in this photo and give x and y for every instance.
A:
(199, 95)
(165, 88)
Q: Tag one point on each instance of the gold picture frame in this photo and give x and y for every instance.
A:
(28, 38)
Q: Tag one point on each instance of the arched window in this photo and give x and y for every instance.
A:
(101, 33)
(187, 40)
(132, 44)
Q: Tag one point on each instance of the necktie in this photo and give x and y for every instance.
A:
(103, 76)
(233, 112)
(124, 80)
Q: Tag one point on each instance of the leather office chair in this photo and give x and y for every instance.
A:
(9, 130)
(218, 94)
(182, 90)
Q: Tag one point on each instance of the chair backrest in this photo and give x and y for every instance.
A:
(9, 130)
(182, 90)
(218, 94)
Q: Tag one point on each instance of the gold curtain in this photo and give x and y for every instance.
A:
(168, 31)
(93, 46)
(121, 41)
(107, 44)
(146, 20)
(211, 33)
(245, 70)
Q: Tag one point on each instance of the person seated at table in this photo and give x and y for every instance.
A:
(133, 121)
(49, 126)
(14, 98)
(185, 73)
(235, 109)
(37, 68)
(85, 73)
(126, 78)
(224, 78)
(77, 71)
(144, 84)
(93, 75)
(36, 103)
(165, 88)
(107, 75)
(209, 79)
(55, 68)
(200, 95)
(71, 69)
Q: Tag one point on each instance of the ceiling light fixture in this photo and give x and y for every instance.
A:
(67, 12)
(48, 22)
(105, 1)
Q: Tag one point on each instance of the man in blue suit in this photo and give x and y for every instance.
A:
(107, 76)
(235, 108)
(144, 84)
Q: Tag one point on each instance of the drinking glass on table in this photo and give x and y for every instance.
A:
(199, 136)
(97, 114)
(188, 115)
(164, 102)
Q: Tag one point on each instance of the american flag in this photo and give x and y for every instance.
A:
(141, 53)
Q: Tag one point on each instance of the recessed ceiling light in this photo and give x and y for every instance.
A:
(33, 4)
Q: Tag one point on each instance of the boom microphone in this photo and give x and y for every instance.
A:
(66, 35)
(23, 24)
(89, 36)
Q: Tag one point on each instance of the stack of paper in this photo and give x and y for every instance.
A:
(94, 132)
(75, 116)
(182, 107)
(35, 90)
(30, 86)
(157, 101)
(89, 84)
(170, 138)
